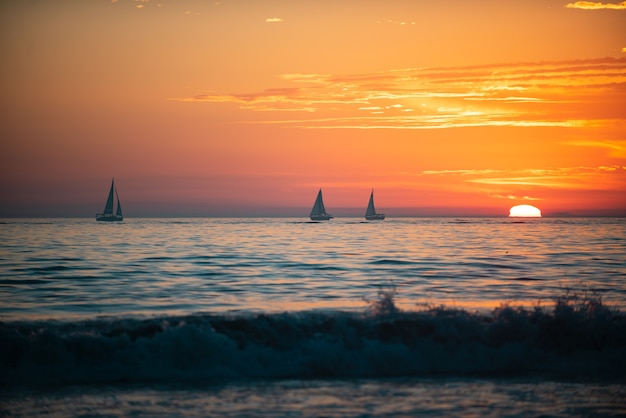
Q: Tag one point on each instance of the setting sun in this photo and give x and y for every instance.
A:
(525, 211)
(277, 105)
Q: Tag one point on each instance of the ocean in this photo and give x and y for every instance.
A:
(283, 317)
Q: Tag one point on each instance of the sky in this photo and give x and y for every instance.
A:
(248, 108)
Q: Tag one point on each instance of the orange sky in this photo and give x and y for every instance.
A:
(213, 108)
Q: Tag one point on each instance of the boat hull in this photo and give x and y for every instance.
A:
(376, 217)
(321, 217)
(105, 217)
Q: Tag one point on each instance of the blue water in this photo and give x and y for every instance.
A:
(284, 317)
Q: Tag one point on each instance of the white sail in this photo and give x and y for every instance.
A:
(318, 213)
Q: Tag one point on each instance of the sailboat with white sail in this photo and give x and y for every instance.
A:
(370, 213)
(318, 213)
(107, 215)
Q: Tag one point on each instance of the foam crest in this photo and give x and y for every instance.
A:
(575, 339)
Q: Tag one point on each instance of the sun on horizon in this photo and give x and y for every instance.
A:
(247, 111)
(524, 211)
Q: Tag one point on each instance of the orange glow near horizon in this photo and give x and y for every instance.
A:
(224, 108)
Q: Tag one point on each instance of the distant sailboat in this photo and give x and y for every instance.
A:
(370, 213)
(107, 215)
(318, 213)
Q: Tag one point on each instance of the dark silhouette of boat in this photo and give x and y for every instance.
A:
(318, 213)
(370, 213)
(107, 215)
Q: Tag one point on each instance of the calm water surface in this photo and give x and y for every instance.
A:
(284, 317)
(77, 267)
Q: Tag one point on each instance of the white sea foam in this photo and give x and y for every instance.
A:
(241, 317)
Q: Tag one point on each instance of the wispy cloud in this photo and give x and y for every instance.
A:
(141, 3)
(553, 178)
(398, 22)
(459, 172)
(615, 149)
(530, 184)
(592, 5)
(561, 94)
(273, 20)
(514, 197)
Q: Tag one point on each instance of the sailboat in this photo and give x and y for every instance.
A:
(370, 213)
(318, 213)
(107, 215)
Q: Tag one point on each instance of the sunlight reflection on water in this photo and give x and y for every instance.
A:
(70, 267)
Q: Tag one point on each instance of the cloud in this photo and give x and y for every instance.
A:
(501, 184)
(273, 20)
(592, 5)
(576, 93)
(514, 197)
(615, 149)
(459, 172)
(398, 22)
(526, 184)
(556, 178)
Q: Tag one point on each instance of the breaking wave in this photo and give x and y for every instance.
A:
(577, 337)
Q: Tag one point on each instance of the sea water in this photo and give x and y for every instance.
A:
(285, 317)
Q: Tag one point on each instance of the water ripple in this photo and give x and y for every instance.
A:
(79, 267)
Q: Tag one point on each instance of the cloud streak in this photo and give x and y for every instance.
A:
(554, 178)
(560, 94)
(592, 5)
